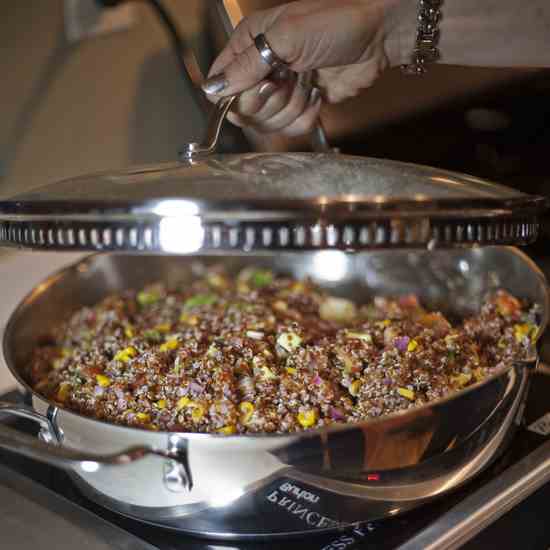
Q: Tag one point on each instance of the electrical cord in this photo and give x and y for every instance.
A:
(185, 58)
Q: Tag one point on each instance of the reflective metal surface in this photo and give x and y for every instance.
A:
(236, 486)
(268, 202)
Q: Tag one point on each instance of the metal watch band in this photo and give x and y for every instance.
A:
(427, 37)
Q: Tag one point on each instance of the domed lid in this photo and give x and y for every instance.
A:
(266, 202)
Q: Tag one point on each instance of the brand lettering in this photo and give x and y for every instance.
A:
(299, 493)
(345, 541)
(300, 510)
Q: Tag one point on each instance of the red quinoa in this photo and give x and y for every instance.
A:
(261, 353)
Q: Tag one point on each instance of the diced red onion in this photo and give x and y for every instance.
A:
(184, 390)
(98, 390)
(402, 342)
(195, 387)
(119, 393)
(317, 380)
(130, 417)
(337, 413)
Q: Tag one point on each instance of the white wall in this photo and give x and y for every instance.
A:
(104, 103)
(118, 99)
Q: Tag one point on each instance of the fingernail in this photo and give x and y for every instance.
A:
(314, 96)
(266, 89)
(215, 84)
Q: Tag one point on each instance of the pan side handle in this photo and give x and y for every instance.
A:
(63, 457)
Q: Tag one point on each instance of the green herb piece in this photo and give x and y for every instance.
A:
(261, 278)
(147, 298)
(200, 300)
(153, 336)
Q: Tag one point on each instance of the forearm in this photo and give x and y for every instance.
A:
(484, 33)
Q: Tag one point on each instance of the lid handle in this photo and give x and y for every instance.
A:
(213, 130)
(318, 137)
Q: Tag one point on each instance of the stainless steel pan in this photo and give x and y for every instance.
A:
(226, 486)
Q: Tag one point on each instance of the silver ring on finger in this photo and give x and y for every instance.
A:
(269, 57)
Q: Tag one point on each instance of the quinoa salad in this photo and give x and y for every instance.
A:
(259, 353)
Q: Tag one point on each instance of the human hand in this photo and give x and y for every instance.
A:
(343, 40)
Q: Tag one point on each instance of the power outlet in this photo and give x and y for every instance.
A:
(86, 18)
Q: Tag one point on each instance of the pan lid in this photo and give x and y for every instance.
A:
(211, 203)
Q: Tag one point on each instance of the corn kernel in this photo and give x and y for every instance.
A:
(354, 387)
(461, 379)
(66, 352)
(170, 345)
(57, 364)
(143, 417)
(298, 287)
(182, 403)
(198, 412)
(406, 393)
(129, 332)
(161, 404)
(413, 344)
(227, 430)
(63, 392)
(188, 319)
(308, 418)
(522, 331)
(163, 327)
(291, 370)
(383, 324)
(103, 381)
(479, 374)
(247, 410)
(126, 354)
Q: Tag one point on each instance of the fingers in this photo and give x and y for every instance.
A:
(295, 103)
(259, 104)
(306, 122)
(240, 66)
(289, 110)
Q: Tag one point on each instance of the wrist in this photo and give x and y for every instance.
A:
(400, 26)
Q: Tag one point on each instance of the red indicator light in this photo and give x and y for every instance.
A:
(373, 477)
